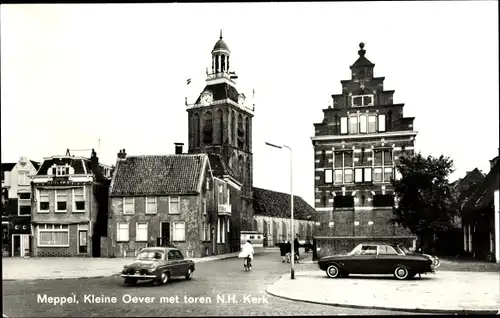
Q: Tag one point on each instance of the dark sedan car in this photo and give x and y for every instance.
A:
(158, 264)
(379, 258)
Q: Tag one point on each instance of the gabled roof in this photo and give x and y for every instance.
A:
(35, 164)
(277, 204)
(219, 166)
(484, 193)
(76, 162)
(158, 175)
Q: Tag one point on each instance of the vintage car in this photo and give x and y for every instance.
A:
(158, 264)
(379, 258)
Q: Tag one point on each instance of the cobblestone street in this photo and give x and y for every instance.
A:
(225, 277)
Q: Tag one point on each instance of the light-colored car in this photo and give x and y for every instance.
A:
(158, 264)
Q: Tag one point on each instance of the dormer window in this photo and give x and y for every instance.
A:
(362, 100)
(60, 171)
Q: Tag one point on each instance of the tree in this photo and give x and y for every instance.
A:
(427, 202)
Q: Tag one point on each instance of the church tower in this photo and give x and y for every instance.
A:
(220, 122)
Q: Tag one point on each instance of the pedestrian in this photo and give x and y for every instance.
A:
(283, 250)
(296, 245)
(288, 250)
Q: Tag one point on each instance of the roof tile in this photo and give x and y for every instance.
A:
(277, 204)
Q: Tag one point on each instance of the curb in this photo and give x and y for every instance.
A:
(416, 310)
(107, 276)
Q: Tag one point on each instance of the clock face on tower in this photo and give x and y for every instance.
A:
(206, 99)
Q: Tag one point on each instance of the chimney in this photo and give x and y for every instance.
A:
(94, 162)
(178, 147)
(122, 154)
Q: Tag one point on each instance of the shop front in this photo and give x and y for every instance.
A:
(21, 237)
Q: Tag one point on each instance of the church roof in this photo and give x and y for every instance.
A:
(277, 204)
(220, 45)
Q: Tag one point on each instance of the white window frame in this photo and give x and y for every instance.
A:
(352, 175)
(381, 174)
(57, 201)
(353, 122)
(392, 173)
(357, 175)
(119, 227)
(125, 203)
(341, 174)
(61, 170)
(367, 174)
(228, 225)
(178, 204)
(328, 174)
(372, 119)
(174, 234)
(343, 125)
(52, 228)
(155, 204)
(39, 199)
(218, 231)
(362, 100)
(381, 122)
(73, 195)
(22, 178)
(363, 124)
(143, 238)
(221, 194)
(23, 202)
(223, 232)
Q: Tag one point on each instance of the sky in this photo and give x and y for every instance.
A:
(113, 76)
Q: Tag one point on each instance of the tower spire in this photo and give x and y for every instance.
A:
(220, 34)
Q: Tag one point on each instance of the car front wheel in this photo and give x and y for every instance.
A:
(164, 277)
(333, 271)
(401, 273)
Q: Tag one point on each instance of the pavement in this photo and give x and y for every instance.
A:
(442, 292)
(243, 292)
(17, 268)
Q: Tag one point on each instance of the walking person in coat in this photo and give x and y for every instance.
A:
(288, 250)
(283, 250)
(296, 246)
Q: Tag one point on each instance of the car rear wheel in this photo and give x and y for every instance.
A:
(333, 271)
(130, 281)
(189, 273)
(401, 273)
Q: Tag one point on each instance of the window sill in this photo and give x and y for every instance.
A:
(24, 215)
(128, 213)
(122, 241)
(60, 211)
(78, 211)
(52, 245)
(151, 213)
(47, 211)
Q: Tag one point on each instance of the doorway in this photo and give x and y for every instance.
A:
(20, 243)
(82, 241)
(164, 233)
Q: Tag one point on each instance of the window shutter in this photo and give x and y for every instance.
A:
(343, 125)
(381, 122)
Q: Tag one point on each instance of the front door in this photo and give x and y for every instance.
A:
(20, 244)
(165, 233)
(82, 241)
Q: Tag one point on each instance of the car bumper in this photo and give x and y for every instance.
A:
(138, 276)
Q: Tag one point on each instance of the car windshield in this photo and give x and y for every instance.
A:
(403, 249)
(149, 255)
(355, 251)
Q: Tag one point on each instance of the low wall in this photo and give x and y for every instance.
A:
(338, 245)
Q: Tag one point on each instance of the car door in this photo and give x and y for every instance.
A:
(181, 263)
(365, 261)
(387, 259)
(172, 263)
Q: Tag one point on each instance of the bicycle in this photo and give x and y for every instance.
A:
(247, 263)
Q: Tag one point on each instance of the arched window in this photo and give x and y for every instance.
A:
(216, 57)
(223, 63)
(220, 116)
(240, 133)
(196, 130)
(228, 63)
(241, 165)
(208, 129)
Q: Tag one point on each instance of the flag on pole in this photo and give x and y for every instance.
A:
(188, 81)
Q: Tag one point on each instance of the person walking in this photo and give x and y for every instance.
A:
(296, 246)
(283, 250)
(288, 250)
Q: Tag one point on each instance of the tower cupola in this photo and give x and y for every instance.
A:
(220, 57)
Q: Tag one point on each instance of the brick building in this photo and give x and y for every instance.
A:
(171, 200)
(16, 206)
(220, 122)
(70, 206)
(356, 147)
(272, 216)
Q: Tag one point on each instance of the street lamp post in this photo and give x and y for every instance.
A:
(292, 270)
